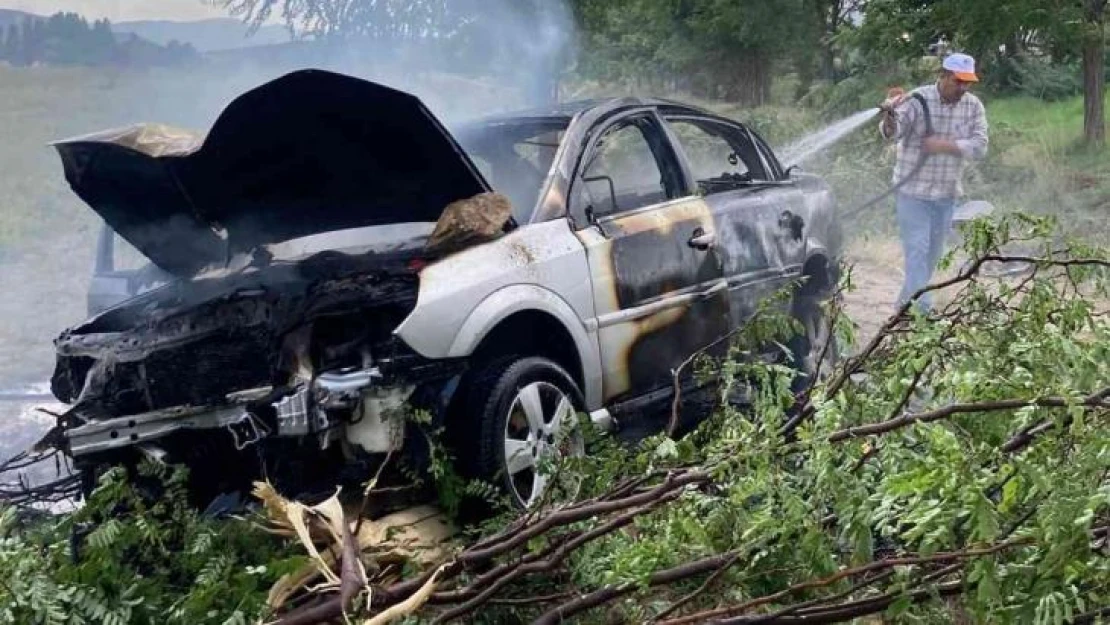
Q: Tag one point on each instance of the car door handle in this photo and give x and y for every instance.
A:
(702, 240)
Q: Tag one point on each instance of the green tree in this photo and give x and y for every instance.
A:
(822, 23)
(1093, 45)
(714, 48)
(1064, 30)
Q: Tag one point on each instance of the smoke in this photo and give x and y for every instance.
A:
(508, 55)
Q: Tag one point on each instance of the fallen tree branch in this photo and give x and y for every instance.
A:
(609, 593)
(549, 563)
(674, 607)
(822, 601)
(872, 567)
(856, 609)
(351, 581)
(572, 515)
(505, 542)
(1095, 400)
(1028, 434)
(854, 364)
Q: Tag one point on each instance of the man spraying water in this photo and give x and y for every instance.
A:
(957, 133)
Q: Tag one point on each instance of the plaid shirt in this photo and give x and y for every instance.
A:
(964, 122)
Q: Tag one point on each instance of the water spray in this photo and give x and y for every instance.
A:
(811, 144)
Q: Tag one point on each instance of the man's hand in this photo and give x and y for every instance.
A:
(936, 145)
(894, 98)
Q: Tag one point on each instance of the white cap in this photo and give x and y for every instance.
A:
(962, 65)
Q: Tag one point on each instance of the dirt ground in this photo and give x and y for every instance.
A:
(877, 277)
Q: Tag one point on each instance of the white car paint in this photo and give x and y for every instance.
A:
(464, 296)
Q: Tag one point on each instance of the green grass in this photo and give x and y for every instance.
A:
(1057, 125)
(1038, 163)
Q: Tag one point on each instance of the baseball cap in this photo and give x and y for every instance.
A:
(962, 65)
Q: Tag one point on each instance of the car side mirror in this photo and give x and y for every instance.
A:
(612, 191)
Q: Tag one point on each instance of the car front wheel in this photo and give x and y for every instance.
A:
(525, 418)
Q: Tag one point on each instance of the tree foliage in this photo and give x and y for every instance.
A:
(997, 32)
(712, 48)
(136, 553)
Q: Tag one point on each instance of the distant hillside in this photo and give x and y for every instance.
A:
(204, 35)
(10, 16)
(69, 39)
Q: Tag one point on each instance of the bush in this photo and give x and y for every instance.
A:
(1035, 77)
(136, 554)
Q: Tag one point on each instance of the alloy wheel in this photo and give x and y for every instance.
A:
(540, 430)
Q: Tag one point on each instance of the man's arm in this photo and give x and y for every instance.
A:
(975, 146)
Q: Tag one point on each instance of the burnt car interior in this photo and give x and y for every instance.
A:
(623, 171)
(720, 156)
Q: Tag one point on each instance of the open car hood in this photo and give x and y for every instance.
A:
(310, 152)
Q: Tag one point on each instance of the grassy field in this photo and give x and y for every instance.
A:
(1039, 165)
(47, 234)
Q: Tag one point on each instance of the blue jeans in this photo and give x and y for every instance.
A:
(924, 226)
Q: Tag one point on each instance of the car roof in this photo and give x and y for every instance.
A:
(564, 111)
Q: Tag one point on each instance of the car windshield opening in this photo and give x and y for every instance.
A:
(515, 157)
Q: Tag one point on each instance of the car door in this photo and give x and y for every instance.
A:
(758, 211)
(658, 282)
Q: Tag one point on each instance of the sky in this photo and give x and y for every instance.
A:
(121, 10)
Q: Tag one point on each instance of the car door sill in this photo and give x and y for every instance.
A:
(670, 300)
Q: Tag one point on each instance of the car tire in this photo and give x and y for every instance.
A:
(516, 414)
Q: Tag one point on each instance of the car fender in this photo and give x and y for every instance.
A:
(510, 300)
(535, 267)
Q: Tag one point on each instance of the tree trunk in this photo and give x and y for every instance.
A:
(830, 23)
(828, 60)
(1094, 74)
(750, 83)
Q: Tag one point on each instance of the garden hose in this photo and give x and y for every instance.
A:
(909, 176)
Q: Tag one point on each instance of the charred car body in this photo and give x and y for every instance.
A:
(330, 254)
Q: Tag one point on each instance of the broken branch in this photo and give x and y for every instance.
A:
(1095, 400)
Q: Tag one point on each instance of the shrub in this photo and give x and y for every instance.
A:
(136, 553)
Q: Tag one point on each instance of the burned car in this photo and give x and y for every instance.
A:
(329, 257)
